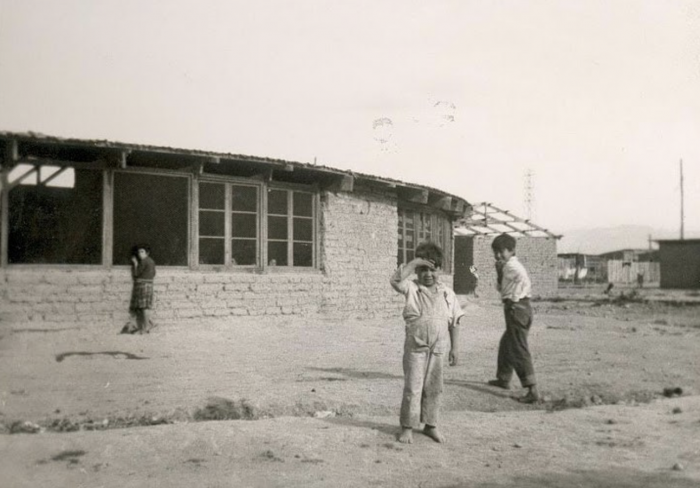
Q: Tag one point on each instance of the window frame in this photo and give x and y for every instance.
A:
(6, 187)
(262, 258)
(109, 238)
(193, 180)
(228, 182)
(440, 232)
(315, 234)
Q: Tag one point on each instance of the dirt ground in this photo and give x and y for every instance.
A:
(320, 398)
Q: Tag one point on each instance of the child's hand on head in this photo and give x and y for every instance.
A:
(423, 262)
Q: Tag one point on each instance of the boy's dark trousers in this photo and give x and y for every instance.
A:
(513, 351)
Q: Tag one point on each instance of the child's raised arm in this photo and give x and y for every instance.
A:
(405, 271)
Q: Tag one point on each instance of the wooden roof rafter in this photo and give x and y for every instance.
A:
(485, 219)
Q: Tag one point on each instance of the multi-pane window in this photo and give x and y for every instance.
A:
(425, 227)
(407, 236)
(290, 228)
(56, 215)
(212, 223)
(244, 225)
(416, 227)
(228, 224)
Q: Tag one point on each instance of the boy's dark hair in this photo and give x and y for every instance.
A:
(430, 252)
(503, 241)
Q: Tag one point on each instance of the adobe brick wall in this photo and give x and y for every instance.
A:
(102, 296)
(358, 246)
(538, 255)
(359, 253)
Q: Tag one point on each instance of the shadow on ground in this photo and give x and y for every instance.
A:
(591, 479)
(376, 375)
(389, 429)
(114, 354)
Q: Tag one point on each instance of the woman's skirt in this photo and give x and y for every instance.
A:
(141, 295)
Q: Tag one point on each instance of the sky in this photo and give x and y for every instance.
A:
(598, 101)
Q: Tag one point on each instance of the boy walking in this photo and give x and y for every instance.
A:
(432, 315)
(515, 288)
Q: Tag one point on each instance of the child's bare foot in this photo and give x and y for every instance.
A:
(406, 435)
(433, 433)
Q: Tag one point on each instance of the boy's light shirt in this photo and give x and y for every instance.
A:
(516, 283)
(414, 309)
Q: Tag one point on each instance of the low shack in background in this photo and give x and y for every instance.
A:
(586, 268)
(623, 266)
(680, 263)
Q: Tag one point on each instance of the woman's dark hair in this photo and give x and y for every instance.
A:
(503, 241)
(135, 249)
(430, 252)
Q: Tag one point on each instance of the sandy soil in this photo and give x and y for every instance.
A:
(325, 395)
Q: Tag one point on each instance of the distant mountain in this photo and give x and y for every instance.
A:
(600, 240)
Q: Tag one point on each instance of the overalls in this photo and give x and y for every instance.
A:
(427, 342)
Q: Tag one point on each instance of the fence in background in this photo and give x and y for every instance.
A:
(629, 272)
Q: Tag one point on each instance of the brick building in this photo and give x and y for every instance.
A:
(231, 235)
(536, 248)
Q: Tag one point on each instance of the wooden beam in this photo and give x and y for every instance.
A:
(415, 195)
(197, 168)
(99, 164)
(264, 176)
(443, 202)
(11, 154)
(458, 206)
(376, 181)
(123, 156)
(476, 231)
(9, 157)
(115, 159)
(17, 181)
(53, 176)
(193, 246)
(491, 213)
(342, 183)
(107, 217)
(468, 211)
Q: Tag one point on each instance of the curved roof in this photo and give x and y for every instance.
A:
(36, 148)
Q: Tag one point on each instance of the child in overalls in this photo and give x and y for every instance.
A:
(432, 315)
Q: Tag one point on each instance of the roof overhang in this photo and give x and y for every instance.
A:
(38, 149)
